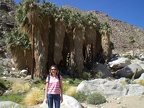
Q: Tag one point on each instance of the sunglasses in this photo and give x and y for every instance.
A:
(53, 69)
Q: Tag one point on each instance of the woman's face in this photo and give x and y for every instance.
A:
(53, 70)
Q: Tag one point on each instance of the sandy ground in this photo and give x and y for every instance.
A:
(123, 102)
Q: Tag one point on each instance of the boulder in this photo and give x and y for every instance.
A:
(110, 89)
(97, 67)
(119, 63)
(10, 104)
(129, 71)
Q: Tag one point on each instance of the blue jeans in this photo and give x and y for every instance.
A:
(55, 98)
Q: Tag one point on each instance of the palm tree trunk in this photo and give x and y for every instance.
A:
(18, 57)
(90, 38)
(78, 45)
(60, 29)
(106, 46)
(44, 32)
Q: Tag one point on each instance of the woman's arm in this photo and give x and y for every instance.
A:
(46, 89)
(61, 87)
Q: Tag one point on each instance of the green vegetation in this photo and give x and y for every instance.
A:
(99, 75)
(95, 98)
(4, 85)
(80, 96)
(130, 57)
(86, 75)
(13, 97)
(16, 38)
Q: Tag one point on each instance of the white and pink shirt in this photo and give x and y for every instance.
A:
(53, 85)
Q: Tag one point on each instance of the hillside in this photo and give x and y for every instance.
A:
(121, 31)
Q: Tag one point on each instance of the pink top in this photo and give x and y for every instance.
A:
(54, 85)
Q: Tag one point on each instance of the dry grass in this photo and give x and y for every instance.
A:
(141, 82)
(71, 91)
(20, 87)
(34, 97)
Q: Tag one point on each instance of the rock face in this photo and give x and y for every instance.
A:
(6, 22)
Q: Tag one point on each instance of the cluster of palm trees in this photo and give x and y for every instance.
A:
(55, 33)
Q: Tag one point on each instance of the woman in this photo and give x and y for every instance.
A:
(53, 89)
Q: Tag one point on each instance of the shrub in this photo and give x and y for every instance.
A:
(80, 96)
(35, 96)
(66, 86)
(72, 82)
(86, 75)
(20, 87)
(2, 85)
(99, 75)
(141, 82)
(71, 91)
(124, 82)
(95, 98)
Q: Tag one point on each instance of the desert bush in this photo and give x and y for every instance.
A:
(2, 86)
(66, 86)
(34, 97)
(95, 98)
(141, 82)
(72, 82)
(99, 75)
(86, 75)
(124, 82)
(20, 87)
(71, 91)
(80, 96)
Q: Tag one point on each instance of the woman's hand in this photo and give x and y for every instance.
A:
(46, 100)
(61, 99)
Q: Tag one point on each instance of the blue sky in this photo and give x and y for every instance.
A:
(129, 11)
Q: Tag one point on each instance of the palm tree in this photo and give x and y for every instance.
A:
(19, 45)
(75, 21)
(91, 27)
(60, 27)
(49, 27)
(105, 31)
(29, 21)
